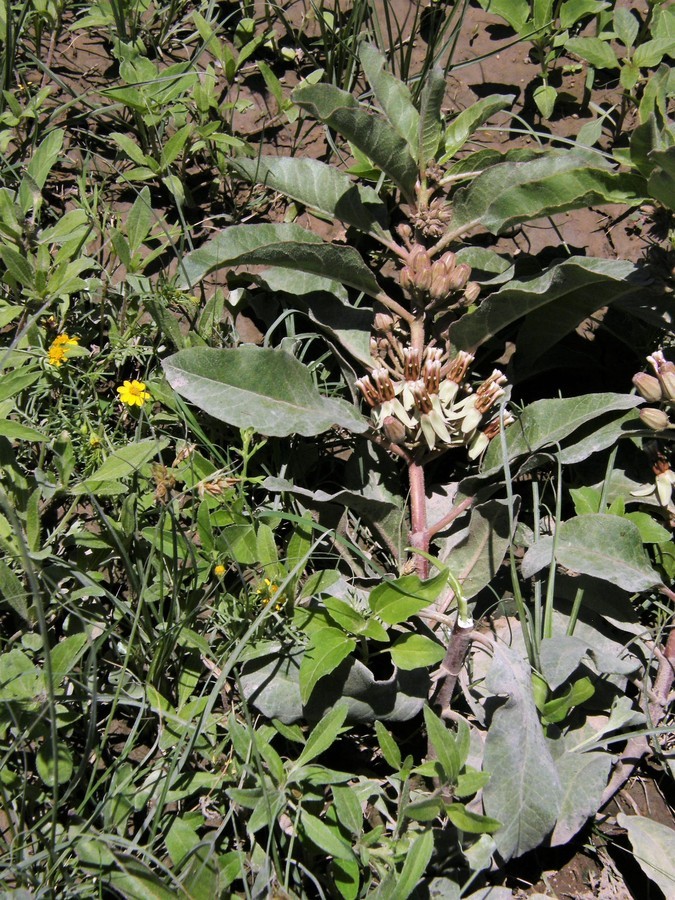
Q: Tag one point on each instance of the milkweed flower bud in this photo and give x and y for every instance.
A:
(459, 277)
(394, 430)
(665, 372)
(471, 292)
(648, 387)
(655, 418)
(384, 322)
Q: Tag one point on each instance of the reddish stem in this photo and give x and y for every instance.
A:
(419, 535)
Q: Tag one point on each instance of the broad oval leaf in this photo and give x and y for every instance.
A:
(371, 134)
(653, 848)
(288, 246)
(319, 186)
(554, 302)
(510, 193)
(583, 777)
(545, 423)
(525, 792)
(601, 545)
(252, 387)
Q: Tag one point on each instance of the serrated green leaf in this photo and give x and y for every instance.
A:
(328, 648)
(396, 601)
(415, 651)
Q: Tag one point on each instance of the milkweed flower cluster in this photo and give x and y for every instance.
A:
(60, 348)
(425, 399)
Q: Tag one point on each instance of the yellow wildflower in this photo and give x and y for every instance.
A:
(60, 347)
(219, 570)
(133, 393)
(267, 591)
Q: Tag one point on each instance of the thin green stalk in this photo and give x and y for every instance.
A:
(523, 616)
(550, 586)
(536, 525)
(576, 607)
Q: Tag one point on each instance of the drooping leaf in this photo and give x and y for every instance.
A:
(251, 387)
(392, 95)
(554, 303)
(319, 186)
(371, 134)
(604, 546)
(288, 246)
(546, 423)
(510, 193)
(653, 848)
(525, 792)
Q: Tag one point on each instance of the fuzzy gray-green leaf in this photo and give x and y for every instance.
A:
(319, 186)
(392, 95)
(252, 387)
(288, 246)
(371, 134)
(510, 193)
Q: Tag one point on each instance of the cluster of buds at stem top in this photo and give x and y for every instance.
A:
(435, 282)
(428, 402)
(657, 388)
